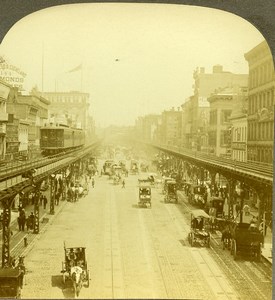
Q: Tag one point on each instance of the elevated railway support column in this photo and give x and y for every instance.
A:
(64, 184)
(52, 193)
(230, 201)
(6, 261)
(37, 196)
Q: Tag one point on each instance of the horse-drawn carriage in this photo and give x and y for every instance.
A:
(196, 195)
(171, 192)
(75, 268)
(246, 239)
(11, 281)
(199, 233)
(144, 196)
(164, 187)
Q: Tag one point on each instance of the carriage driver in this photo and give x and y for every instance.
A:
(72, 257)
(79, 257)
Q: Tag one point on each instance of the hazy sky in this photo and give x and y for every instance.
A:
(137, 58)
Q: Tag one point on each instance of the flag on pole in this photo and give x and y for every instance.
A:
(78, 68)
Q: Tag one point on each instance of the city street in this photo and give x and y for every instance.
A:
(135, 252)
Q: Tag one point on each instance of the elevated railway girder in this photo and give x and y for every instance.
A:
(259, 178)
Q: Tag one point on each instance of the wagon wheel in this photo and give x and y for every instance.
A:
(259, 253)
(64, 277)
(191, 241)
(231, 247)
(208, 242)
(234, 246)
(88, 278)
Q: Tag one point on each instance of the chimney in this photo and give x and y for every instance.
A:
(217, 69)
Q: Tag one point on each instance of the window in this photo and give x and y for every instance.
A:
(225, 114)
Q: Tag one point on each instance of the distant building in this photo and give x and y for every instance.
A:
(171, 127)
(71, 108)
(4, 95)
(238, 121)
(146, 127)
(186, 133)
(260, 118)
(31, 110)
(219, 138)
(205, 84)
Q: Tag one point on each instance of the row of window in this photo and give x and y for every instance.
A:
(224, 116)
(260, 100)
(225, 139)
(70, 99)
(262, 131)
(239, 134)
(260, 154)
(261, 74)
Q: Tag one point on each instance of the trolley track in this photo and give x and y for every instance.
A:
(211, 273)
(244, 275)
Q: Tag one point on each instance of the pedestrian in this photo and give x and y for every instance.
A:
(45, 201)
(28, 223)
(123, 184)
(40, 199)
(93, 182)
(19, 223)
(21, 220)
(31, 217)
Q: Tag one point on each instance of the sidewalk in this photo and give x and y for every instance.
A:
(17, 241)
(267, 247)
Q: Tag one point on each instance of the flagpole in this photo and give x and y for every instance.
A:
(42, 67)
(81, 78)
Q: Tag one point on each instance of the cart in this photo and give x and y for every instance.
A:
(145, 196)
(247, 240)
(196, 195)
(75, 268)
(199, 232)
(171, 192)
(165, 180)
(11, 282)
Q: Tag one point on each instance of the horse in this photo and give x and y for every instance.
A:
(77, 278)
(226, 238)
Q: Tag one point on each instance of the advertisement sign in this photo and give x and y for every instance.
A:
(11, 74)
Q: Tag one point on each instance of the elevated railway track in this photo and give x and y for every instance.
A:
(250, 171)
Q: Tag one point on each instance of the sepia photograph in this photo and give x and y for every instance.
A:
(136, 153)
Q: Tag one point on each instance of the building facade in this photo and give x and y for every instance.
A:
(204, 85)
(170, 128)
(31, 110)
(219, 139)
(238, 121)
(4, 95)
(260, 118)
(71, 108)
